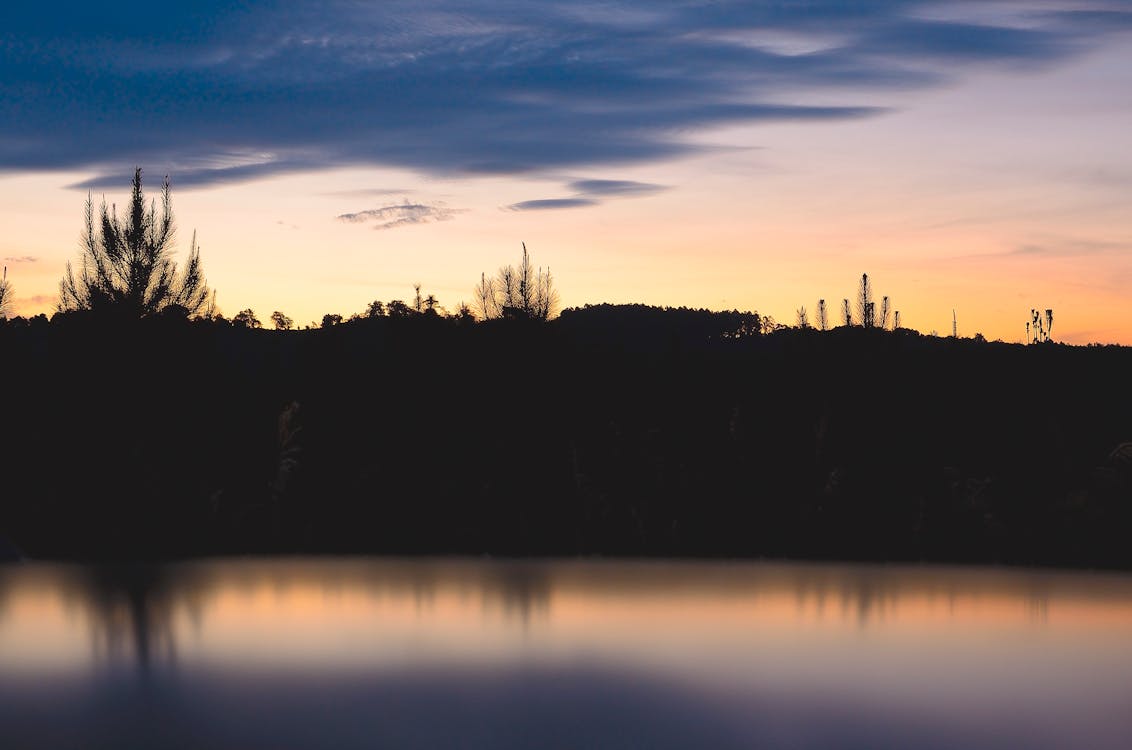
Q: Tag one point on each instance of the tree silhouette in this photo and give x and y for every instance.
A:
(5, 295)
(823, 317)
(125, 263)
(485, 298)
(247, 319)
(398, 309)
(1041, 328)
(867, 314)
(520, 292)
(866, 308)
(281, 321)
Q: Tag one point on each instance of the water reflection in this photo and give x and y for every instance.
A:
(718, 653)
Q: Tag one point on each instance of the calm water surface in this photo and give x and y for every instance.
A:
(471, 654)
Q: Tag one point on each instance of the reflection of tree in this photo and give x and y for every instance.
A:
(1037, 600)
(523, 588)
(5, 585)
(514, 589)
(132, 610)
(870, 596)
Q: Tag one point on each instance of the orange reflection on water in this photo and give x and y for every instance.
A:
(379, 614)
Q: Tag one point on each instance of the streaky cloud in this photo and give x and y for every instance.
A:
(21, 259)
(198, 177)
(545, 204)
(615, 188)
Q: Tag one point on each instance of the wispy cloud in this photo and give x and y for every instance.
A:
(21, 259)
(223, 91)
(402, 214)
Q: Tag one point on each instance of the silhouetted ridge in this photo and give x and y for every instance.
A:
(613, 429)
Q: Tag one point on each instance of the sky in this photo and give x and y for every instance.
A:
(970, 156)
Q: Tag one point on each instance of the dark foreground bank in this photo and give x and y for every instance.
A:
(612, 430)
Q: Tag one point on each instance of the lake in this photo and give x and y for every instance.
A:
(455, 653)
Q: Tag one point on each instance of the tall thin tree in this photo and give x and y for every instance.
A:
(485, 298)
(126, 265)
(866, 311)
(5, 295)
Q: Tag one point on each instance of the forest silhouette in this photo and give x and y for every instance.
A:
(142, 424)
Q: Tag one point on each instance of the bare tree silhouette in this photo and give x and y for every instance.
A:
(517, 292)
(5, 295)
(866, 308)
(485, 304)
(822, 317)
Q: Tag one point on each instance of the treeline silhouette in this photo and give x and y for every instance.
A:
(608, 430)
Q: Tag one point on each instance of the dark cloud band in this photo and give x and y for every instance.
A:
(229, 91)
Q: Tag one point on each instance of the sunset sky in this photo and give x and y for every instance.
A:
(757, 155)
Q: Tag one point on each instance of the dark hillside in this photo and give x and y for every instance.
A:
(612, 430)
